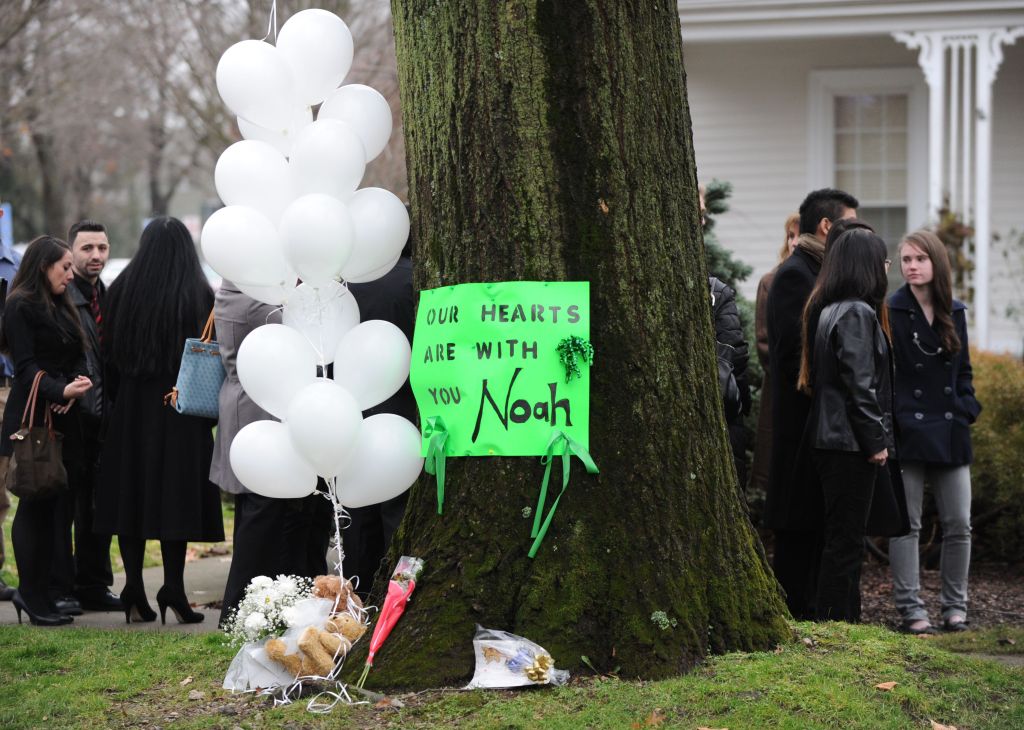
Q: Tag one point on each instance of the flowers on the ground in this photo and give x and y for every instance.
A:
(266, 609)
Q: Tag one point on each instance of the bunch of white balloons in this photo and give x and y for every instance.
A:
(293, 211)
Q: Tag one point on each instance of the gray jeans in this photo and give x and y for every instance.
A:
(951, 487)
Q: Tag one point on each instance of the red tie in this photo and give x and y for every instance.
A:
(94, 309)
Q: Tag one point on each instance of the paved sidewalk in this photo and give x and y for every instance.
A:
(204, 583)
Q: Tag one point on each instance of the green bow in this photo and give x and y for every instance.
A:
(572, 447)
(435, 454)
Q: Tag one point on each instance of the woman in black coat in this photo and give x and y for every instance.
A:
(155, 481)
(41, 331)
(845, 367)
(935, 406)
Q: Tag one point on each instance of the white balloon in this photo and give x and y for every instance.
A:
(281, 139)
(317, 234)
(385, 462)
(255, 174)
(322, 315)
(323, 423)
(327, 157)
(317, 46)
(381, 225)
(274, 363)
(264, 460)
(366, 111)
(255, 83)
(372, 362)
(277, 294)
(375, 274)
(242, 245)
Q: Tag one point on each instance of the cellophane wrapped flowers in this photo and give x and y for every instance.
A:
(266, 608)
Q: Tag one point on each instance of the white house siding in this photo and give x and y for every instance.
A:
(1008, 198)
(748, 102)
(749, 105)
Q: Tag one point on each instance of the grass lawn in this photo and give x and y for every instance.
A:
(825, 678)
(9, 573)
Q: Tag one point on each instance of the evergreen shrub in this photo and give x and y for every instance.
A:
(997, 476)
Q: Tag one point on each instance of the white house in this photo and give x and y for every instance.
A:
(900, 102)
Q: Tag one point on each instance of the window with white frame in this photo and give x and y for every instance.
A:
(868, 136)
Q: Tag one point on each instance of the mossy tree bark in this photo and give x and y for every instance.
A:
(551, 141)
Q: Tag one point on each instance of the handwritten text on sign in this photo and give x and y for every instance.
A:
(485, 359)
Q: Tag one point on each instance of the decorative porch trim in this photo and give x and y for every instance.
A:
(960, 67)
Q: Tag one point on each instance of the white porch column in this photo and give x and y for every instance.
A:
(990, 57)
(932, 60)
(987, 45)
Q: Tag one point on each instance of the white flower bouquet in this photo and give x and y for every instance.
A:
(267, 608)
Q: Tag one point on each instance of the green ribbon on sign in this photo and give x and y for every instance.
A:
(434, 463)
(540, 529)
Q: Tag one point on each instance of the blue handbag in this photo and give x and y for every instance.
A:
(197, 391)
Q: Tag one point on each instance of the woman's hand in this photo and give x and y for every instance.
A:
(879, 458)
(62, 409)
(77, 387)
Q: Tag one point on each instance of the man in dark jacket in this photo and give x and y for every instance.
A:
(793, 505)
(84, 573)
(732, 347)
(368, 536)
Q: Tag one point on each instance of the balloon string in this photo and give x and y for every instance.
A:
(272, 25)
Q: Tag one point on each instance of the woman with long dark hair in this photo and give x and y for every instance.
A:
(156, 462)
(845, 367)
(41, 332)
(935, 406)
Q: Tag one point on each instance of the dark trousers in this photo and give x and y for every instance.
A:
(274, 537)
(33, 537)
(84, 567)
(797, 563)
(847, 482)
(368, 537)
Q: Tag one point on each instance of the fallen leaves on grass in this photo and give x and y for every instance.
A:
(186, 681)
(940, 726)
(389, 703)
(886, 686)
(196, 695)
(809, 642)
(655, 719)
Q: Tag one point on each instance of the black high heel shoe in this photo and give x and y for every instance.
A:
(38, 619)
(179, 605)
(136, 607)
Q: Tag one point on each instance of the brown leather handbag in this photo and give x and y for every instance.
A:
(36, 469)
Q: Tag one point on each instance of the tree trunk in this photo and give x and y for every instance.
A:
(52, 194)
(551, 141)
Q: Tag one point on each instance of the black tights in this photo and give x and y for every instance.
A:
(35, 524)
(133, 551)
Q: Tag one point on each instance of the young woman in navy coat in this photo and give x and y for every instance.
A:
(935, 406)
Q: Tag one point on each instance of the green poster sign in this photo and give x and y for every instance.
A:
(485, 363)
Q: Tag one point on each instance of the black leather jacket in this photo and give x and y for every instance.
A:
(852, 381)
(93, 403)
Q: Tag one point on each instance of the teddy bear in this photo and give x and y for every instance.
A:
(296, 664)
(319, 650)
(347, 625)
(336, 589)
